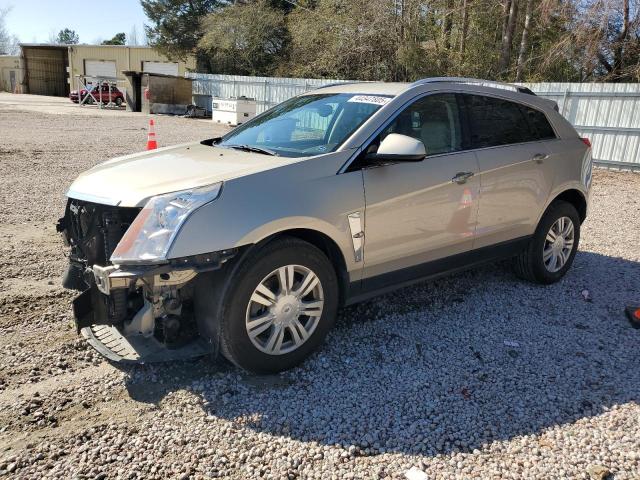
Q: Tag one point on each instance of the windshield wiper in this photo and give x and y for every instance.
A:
(251, 148)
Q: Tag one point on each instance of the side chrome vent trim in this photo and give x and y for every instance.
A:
(357, 234)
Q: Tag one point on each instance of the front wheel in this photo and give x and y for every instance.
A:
(118, 101)
(282, 304)
(553, 246)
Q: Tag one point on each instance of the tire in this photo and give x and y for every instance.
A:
(118, 101)
(261, 269)
(532, 263)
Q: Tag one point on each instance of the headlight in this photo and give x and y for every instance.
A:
(149, 237)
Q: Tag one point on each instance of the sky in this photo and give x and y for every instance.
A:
(34, 21)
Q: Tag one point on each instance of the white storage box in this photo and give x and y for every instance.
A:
(233, 111)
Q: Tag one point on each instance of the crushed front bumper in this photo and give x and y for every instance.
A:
(135, 313)
(137, 340)
(115, 346)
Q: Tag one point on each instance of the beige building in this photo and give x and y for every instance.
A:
(54, 69)
(112, 60)
(10, 73)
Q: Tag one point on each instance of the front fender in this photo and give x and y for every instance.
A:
(338, 233)
(252, 208)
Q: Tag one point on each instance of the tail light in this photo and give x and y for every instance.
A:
(586, 141)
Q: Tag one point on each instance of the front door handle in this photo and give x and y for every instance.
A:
(462, 177)
(540, 157)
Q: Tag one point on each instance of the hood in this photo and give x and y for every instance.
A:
(131, 180)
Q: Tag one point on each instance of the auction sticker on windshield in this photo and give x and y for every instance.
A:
(375, 99)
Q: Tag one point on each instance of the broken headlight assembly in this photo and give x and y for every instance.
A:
(151, 234)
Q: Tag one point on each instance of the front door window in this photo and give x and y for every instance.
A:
(434, 120)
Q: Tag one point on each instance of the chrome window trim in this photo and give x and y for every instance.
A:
(507, 99)
(417, 97)
(511, 145)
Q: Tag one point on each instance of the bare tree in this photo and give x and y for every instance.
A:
(507, 38)
(447, 24)
(465, 26)
(524, 42)
(4, 34)
(506, 6)
(8, 42)
(607, 38)
(620, 43)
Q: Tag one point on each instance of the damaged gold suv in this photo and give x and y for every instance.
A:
(248, 244)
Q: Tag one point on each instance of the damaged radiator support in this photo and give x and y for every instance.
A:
(92, 232)
(114, 229)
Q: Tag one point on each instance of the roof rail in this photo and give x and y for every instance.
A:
(473, 81)
(334, 84)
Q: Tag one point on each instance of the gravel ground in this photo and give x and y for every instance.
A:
(477, 375)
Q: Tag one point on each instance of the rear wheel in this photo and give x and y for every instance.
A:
(553, 246)
(281, 305)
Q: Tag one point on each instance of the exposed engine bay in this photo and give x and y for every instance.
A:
(130, 313)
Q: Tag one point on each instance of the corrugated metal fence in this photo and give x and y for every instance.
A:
(267, 91)
(607, 113)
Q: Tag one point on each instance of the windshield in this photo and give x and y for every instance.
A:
(305, 126)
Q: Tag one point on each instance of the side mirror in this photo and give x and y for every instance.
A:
(398, 148)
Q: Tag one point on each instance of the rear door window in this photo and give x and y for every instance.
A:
(496, 122)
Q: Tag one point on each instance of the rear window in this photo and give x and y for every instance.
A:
(496, 122)
(538, 122)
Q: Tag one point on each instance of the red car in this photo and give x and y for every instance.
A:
(117, 96)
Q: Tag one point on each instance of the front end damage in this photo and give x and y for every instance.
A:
(141, 313)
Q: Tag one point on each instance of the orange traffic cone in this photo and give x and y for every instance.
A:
(151, 137)
(634, 316)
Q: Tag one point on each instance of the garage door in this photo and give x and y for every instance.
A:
(45, 71)
(100, 68)
(165, 68)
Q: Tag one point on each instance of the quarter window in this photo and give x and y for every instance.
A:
(434, 120)
(538, 122)
(497, 122)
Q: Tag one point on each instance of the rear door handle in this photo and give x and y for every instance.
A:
(540, 157)
(462, 177)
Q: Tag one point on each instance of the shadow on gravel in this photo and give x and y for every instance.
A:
(449, 365)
